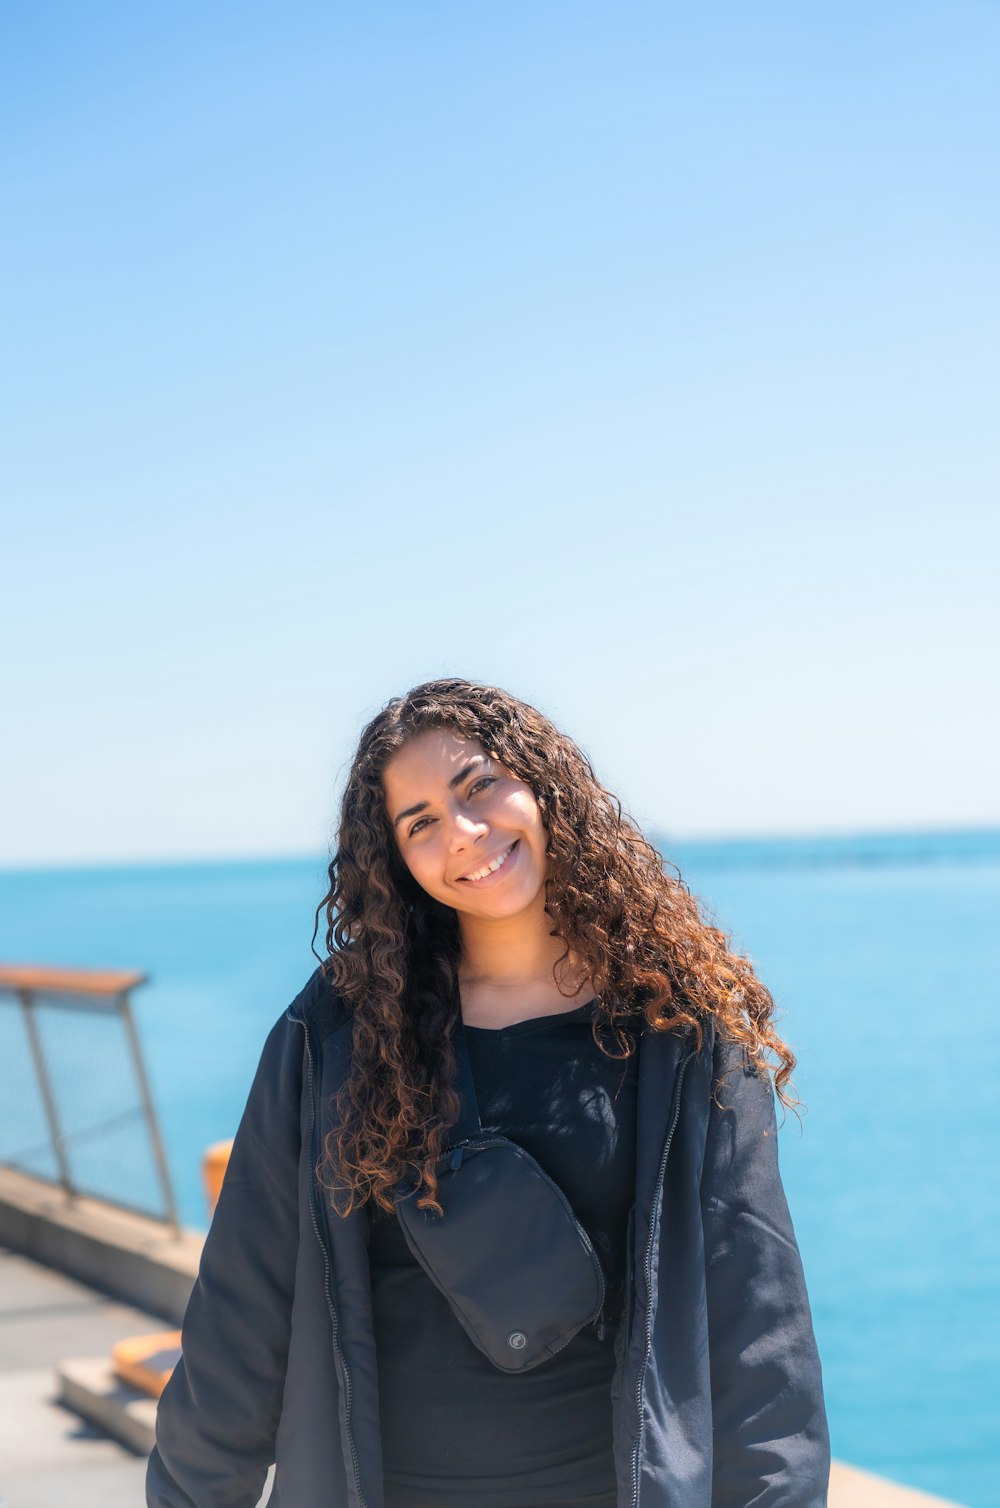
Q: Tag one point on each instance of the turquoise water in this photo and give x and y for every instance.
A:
(881, 952)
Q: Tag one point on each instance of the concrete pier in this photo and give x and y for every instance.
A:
(49, 1455)
(131, 1256)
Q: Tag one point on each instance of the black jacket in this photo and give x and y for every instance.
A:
(718, 1399)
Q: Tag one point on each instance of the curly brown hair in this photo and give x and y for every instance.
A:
(394, 950)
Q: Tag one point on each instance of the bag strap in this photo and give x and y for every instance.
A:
(468, 1123)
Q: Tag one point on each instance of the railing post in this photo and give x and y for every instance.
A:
(147, 1104)
(48, 1098)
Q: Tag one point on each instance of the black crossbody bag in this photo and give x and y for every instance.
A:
(509, 1254)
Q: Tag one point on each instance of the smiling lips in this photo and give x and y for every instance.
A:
(501, 859)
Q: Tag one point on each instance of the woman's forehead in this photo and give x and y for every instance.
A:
(438, 754)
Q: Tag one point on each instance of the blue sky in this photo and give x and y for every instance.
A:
(639, 358)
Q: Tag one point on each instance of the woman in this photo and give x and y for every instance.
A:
(501, 939)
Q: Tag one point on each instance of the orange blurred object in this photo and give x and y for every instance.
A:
(213, 1170)
(146, 1361)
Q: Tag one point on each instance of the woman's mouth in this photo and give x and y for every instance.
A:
(489, 872)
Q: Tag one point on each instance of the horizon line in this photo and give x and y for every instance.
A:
(661, 840)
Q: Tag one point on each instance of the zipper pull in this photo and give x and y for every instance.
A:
(600, 1326)
(456, 1158)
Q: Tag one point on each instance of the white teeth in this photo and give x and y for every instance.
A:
(491, 868)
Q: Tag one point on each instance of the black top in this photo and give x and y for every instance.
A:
(457, 1432)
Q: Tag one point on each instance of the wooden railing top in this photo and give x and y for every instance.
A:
(49, 981)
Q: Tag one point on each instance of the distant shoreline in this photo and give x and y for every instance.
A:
(749, 851)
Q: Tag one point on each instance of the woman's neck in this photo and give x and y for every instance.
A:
(507, 964)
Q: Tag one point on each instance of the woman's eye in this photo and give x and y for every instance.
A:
(473, 788)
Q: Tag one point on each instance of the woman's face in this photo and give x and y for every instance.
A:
(456, 811)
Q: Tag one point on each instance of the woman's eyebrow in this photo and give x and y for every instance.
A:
(474, 762)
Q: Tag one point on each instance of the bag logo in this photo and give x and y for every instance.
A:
(517, 1340)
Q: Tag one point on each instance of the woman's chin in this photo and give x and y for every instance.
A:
(513, 901)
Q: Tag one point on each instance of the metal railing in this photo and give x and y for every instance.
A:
(62, 1093)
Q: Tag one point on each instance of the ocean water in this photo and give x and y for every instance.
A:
(882, 955)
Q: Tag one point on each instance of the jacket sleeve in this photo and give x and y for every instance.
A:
(218, 1415)
(771, 1446)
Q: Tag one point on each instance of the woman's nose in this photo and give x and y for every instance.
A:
(465, 830)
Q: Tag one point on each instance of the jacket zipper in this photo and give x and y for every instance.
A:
(647, 1265)
(326, 1268)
